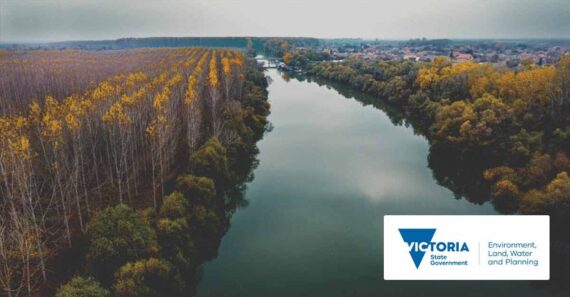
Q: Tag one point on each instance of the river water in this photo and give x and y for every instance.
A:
(329, 171)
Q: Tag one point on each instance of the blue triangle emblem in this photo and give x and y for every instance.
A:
(418, 236)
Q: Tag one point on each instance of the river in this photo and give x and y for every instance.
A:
(329, 171)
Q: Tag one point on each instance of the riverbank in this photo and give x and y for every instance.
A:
(331, 168)
(510, 152)
(474, 112)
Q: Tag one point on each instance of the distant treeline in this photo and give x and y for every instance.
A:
(277, 46)
(424, 42)
(256, 43)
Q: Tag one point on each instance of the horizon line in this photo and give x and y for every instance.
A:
(276, 36)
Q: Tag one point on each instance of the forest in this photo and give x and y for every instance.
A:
(509, 152)
(262, 44)
(505, 134)
(121, 169)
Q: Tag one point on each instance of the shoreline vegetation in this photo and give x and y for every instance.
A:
(122, 162)
(121, 169)
(495, 135)
(512, 127)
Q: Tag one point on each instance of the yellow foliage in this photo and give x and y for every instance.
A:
(13, 136)
(559, 185)
(73, 108)
(161, 99)
(440, 62)
(287, 57)
(480, 77)
(227, 68)
(151, 129)
(427, 77)
(35, 112)
(134, 78)
(52, 123)
(157, 81)
(175, 80)
(103, 91)
(507, 86)
(213, 76)
(127, 100)
(505, 189)
(530, 85)
(21, 147)
(72, 122)
(191, 90)
(496, 173)
(238, 60)
(116, 113)
(533, 84)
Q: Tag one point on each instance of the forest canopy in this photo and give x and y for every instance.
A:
(516, 124)
(127, 160)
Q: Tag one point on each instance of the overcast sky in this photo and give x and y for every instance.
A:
(51, 20)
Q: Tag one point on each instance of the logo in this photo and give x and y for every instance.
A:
(414, 237)
(420, 241)
(453, 247)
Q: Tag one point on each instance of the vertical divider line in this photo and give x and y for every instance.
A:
(479, 252)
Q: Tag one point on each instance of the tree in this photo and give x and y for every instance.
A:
(506, 196)
(196, 188)
(215, 98)
(553, 199)
(560, 91)
(211, 160)
(115, 236)
(287, 58)
(449, 119)
(82, 287)
(107, 123)
(143, 278)
(173, 230)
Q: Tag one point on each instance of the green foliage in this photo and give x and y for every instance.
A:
(173, 229)
(196, 188)
(82, 287)
(143, 278)
(255, 107)
(303, 58)
(524, 143)
(115, 236)
(276, 47)
(450, 121)
(205, 220)
(211, 160)
(200, 191)
(173, 206)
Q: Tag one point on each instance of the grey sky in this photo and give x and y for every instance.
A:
(50, 20)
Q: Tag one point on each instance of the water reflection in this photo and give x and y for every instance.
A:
(461, 172)
(328, 173)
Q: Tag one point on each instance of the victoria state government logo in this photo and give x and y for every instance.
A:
(419, 242)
